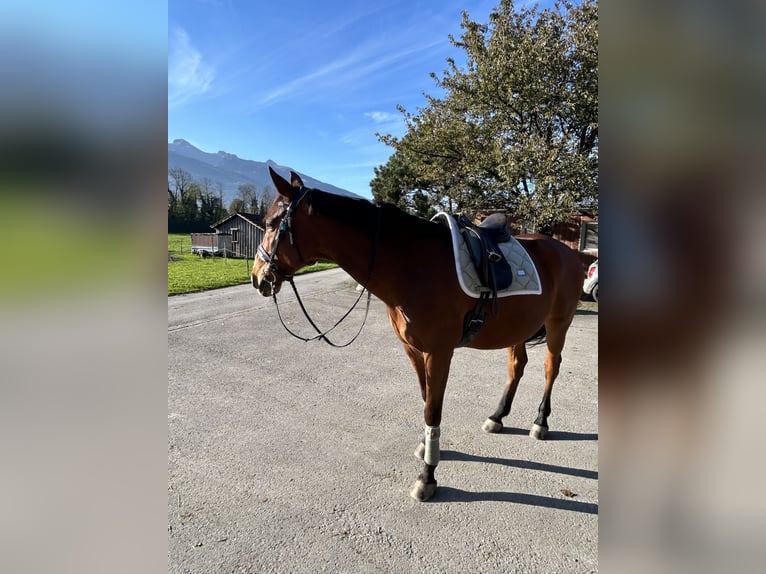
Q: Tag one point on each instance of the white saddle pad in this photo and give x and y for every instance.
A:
(526, 281)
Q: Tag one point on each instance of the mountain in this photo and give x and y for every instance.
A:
(231, 171)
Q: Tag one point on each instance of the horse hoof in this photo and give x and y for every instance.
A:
(421, 491)
(538, 432)
(491, 426)
(420, 452)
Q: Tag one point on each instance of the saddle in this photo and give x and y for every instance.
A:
(494, 271)
(482, 241)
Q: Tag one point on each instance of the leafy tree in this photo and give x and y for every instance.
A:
(192, 206)
(421, 204)
(210, 202)
(189, 207)
(517, 126)
(392, 182)
(396, 183)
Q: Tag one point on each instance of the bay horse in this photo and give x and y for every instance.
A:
(407, 262)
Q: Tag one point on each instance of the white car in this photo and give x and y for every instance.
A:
(590, 285)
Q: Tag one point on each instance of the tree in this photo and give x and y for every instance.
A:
(248, 193)
(211, 202)
(421, 204)
(397, 184)
(179, 182)
(392, 182)
(192, 206)
(517, 126)
(189, 207)
(267, 198)
(236, 204)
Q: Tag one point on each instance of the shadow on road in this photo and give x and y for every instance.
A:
(518, 463)
(449, 494)
(586, 312)
(553, 435)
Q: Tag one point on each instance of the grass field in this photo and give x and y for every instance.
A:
(53, 247)
(188, 273)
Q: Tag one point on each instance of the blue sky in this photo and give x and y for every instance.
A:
(305, 83)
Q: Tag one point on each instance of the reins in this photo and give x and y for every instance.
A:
(289, 278)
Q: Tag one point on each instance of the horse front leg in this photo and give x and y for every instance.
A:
(419, 364)
(437, 371)
(418, 361)
(517, 360)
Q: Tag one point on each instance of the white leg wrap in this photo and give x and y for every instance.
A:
(431, 455)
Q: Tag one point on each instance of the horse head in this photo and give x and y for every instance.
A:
(278, 256)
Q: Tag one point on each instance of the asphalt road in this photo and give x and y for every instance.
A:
(286, 456)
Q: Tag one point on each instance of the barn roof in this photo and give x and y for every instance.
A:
(251, 218)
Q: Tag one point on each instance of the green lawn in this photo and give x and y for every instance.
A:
(54, 248)
(188, 273)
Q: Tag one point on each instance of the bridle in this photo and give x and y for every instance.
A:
(273, 271)
(285, 226)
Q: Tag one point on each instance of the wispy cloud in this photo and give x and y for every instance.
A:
(347, 72)
(189, 75)
(382, 117)
(298, 84)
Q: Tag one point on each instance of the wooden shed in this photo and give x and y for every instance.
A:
(579, 231)
(246, 231)
(211, 244)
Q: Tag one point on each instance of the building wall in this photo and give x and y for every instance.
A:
(581, 234)
(218, 243)
(568, 232)
(207, 240)
(245, 236)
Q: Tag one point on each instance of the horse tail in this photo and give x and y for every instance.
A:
(539, 337)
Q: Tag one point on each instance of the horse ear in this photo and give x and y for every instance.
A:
(296, 180)
(283, 187)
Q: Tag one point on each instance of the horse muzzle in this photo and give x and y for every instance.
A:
(264, 286)
(258, 278)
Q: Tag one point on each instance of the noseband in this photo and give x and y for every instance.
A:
(273, 270)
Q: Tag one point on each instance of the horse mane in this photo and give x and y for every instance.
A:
(361, 214)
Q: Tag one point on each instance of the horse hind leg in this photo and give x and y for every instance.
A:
(555, 343)
(517, 360)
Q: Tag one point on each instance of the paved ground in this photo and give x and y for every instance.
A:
(286, 456)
